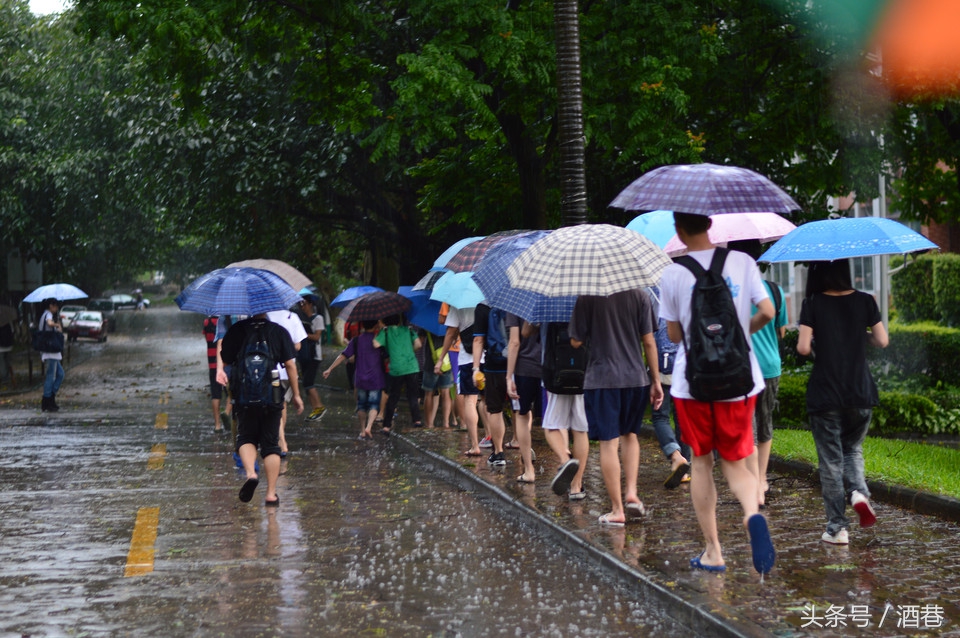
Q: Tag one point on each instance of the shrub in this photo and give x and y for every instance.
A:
(912, 289)
(792, 399)
(926, 349)
(946, 287)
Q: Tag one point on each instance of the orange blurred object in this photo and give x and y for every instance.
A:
(919, 44)
(479, 380)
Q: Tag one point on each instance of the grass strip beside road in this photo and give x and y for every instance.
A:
(920, 466)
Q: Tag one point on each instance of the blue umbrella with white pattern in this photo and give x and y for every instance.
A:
(237, 291)
(830, 239)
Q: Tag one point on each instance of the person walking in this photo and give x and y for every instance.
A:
(290, 321)
(311, 354)
(432, 383)
(617, 387)
(490, 374)
(523, 386)
(724, 426)
(258, 424)
(460, 323)
(836, 325)
(216, 390)
(401, 344)
(52, 361)
(368, 378)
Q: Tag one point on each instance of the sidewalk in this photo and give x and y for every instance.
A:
(900, 577)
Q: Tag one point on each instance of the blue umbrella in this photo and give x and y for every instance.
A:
(425, 311)
(657, 226)
(60, 292)
(846, 237)
(491, 277)
(237, 291)
(350, 294)
(457, 289)
(447, 255)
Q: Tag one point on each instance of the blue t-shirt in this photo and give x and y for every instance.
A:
(766, 345)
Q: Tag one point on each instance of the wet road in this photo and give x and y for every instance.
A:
(119, 516)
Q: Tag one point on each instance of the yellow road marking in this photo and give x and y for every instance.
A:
(165, 398)
(140, 556)
(157, 454)
(161, 422)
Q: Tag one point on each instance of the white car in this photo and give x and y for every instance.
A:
(127, 302)
(67, 314)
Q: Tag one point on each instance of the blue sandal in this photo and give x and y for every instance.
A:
(696, 564)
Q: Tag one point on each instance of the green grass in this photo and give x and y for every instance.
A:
(920, 466)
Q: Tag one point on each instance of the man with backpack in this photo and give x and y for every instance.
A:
(490, 343)
(706, 299)
(254, 347)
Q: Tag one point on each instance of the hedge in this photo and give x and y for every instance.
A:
(946, 287)
(912, 289)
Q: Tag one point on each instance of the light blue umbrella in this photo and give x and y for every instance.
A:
(457, 289)
(237, 291)
(657, 226)
(831, 239)
(350, 294)
(447, 255)
(60, 292)
(425, 311)
(491, 277)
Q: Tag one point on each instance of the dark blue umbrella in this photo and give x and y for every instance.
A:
(350, 294)
(491, 277)
(237, 291)
(830, 239)
(425, 311)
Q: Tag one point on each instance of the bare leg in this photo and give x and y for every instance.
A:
(283, 427)
(362, 418)
(610, 468)
(703, 492)
(217, 426)
(496, 429)
(314, 398)
(469, 416)
(743, 483)
(446, 403)
(522, 423)
(752, 465)
(248, 456)
(460, 408)
(371, 419)
(631, 466)
(271, 467)
(430, 406)
(581, 449)
(763, 462)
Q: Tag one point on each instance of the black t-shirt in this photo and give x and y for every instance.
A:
(840, 377)
(492, 361)
(281, 345)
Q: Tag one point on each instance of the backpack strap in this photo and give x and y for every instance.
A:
(775, 294)
(691, 264)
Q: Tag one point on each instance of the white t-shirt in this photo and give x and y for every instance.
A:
(291, 321)
(317, 324)
(44, 318)
(676, 286)
(461, 318)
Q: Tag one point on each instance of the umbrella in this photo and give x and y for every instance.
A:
(8, 314)
(60, 292)
(429, 280)
(237, 291)
(288, 273)
(457, 289)
(491, 277)
(445, 256)
(350, 294)
(425, 311)
(468, 256)
(589, 259)
(704, 189)
(657, 226)
(831, 239)
(375, 305)
(765, 227)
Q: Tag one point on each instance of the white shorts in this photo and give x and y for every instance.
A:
(565, 412)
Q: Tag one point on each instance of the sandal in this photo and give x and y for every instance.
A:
(606, 521)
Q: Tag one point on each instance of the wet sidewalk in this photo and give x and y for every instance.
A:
(900, 577)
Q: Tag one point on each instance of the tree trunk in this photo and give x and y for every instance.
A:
(573, 204)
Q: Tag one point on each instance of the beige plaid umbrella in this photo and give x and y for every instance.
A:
(296, 279)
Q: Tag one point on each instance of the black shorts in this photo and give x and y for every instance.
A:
(528, 388)
(216, 390)
(495, 392)
(259, 426)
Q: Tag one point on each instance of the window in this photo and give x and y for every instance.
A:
(780, 273)
(862, 273)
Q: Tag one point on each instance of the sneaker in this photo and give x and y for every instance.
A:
(496, 459)
(486, 442)
(317, 414)
(840, 538)
(862, 505)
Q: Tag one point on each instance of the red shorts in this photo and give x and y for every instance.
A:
(724, 426)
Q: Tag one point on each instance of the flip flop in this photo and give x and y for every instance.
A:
(275, 503)
(561, 482)
(696, 564)
(676, 477)
(246, 492)
(520, 479)
(469, 453)
(761, 545)
(635, 511)
(577, 496)
(605, 521)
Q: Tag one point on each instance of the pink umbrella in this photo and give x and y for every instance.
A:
(736, 226)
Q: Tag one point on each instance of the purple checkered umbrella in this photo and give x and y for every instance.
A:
(705, 189)
(237, 291)
(467, 257)
(375, 305)
(589, 259)
(490, 276)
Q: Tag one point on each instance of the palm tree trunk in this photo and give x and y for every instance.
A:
(573, 204)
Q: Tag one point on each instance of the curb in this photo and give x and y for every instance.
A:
(944, 507)
(695, 617)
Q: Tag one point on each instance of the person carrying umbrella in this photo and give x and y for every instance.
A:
(53, 375)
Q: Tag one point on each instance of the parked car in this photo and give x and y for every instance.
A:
(107, 309)
(67, 313)
(88, 324)
(127, 302)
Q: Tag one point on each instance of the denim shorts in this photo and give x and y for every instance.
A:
(368, 400)
(442, 381)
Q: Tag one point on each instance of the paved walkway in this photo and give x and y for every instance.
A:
(901, 577)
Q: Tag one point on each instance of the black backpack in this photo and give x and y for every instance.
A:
(252, 371)
(563, 365)
(718, 354)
